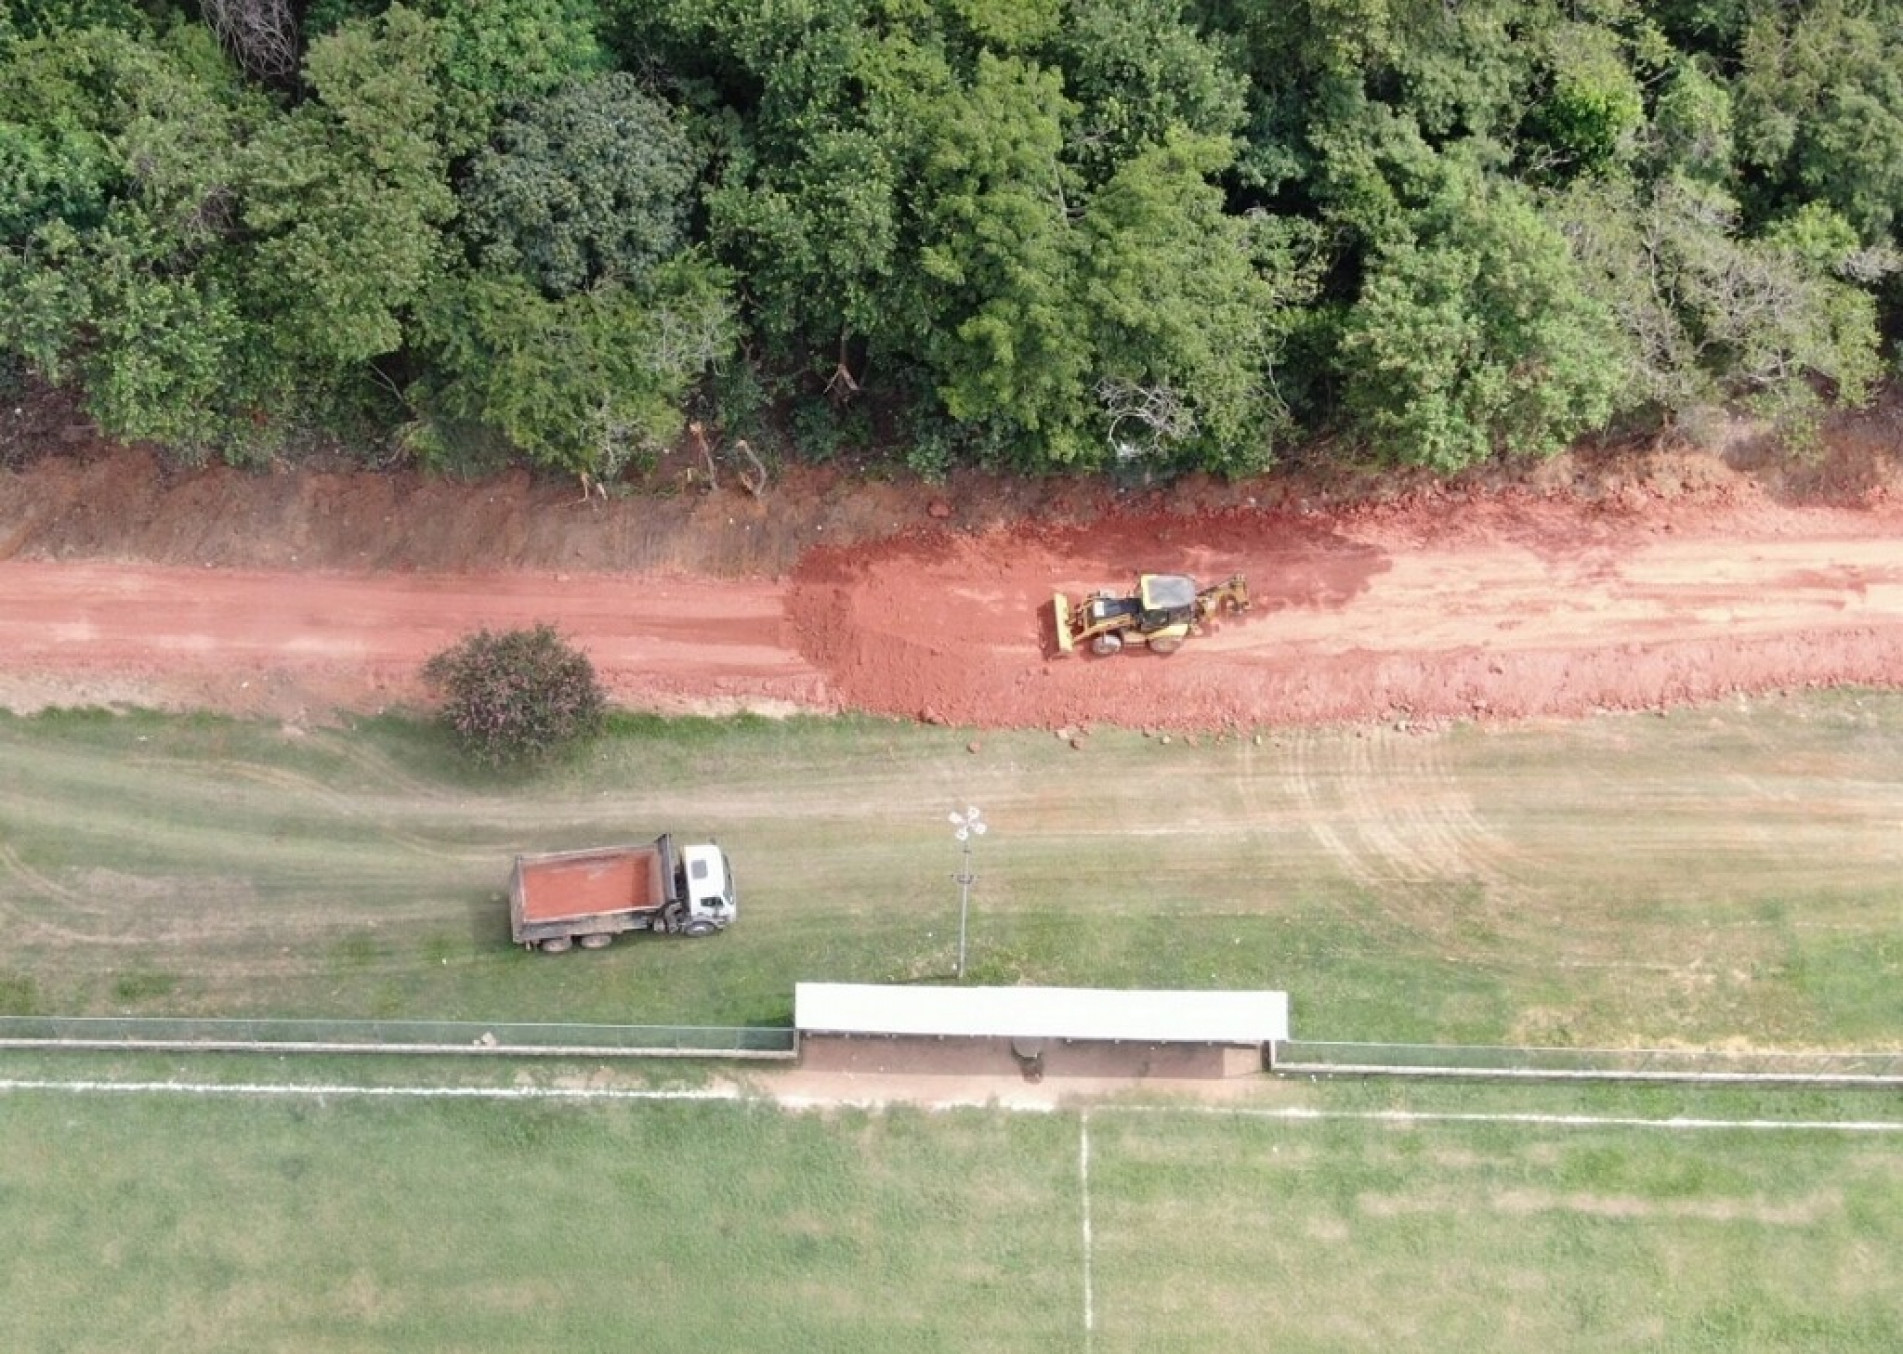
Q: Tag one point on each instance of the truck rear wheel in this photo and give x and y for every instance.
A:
(596, 940)
(555, 945)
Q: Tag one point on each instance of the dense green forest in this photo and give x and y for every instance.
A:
(1028, 234)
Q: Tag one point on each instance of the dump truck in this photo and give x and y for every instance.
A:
(587, 898)
(1163, 611)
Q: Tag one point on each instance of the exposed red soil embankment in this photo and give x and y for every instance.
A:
(280, 596)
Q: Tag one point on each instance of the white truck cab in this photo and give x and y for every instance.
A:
(710, 891)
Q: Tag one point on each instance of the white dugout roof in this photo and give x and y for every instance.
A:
(1174, 1017)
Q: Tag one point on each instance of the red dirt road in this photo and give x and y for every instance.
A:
(1507, 604)
(298, 643)
(1531, 609)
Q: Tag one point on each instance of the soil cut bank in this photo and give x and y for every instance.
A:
(297, 595)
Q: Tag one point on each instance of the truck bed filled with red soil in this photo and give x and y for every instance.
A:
(587, 884)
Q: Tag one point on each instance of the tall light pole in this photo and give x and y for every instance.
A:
(965, 826)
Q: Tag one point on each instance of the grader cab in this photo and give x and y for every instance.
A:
(1164, 610)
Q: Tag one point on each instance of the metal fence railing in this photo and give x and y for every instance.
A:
(1324, 1058)
(519, 1038)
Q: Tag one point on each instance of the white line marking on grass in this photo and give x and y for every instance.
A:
(1083, 1180)
(254, 1088)
(738, 1094)
(576, 1093)
(1527, 1118)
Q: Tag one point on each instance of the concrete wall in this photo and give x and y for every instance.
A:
(954, 1056)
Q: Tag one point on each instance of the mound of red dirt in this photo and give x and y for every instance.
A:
(1528, 606)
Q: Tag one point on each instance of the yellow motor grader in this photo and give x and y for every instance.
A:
(1164, 610)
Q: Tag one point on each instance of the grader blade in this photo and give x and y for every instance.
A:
(1060, 609)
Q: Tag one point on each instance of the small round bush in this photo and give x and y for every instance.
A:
(518, 695)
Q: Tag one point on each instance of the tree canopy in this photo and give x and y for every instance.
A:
(1160, 235)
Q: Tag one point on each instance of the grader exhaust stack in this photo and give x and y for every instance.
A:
(1164, 610)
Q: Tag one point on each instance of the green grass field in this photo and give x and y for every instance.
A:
(1225, 1234)
(170, 1222)
(1726, 877)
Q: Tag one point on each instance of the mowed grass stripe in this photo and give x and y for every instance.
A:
(1312, 1233)
(354, 1223)
(1624, 880)
(233, 1220)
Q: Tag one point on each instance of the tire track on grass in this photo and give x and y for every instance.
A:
(351, 808)
(22, 921)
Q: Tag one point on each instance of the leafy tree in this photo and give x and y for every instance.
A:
(913, 195)
(1135, 72)
(581, 384)
(499, 52)
(1373, 165)
(1710, 314)
(591, 183)
(215, 269)
(50, 173)
(511, 50)
(1305, 40)
(1306, 64)
(1186, 328)
(1008, 26)
(517, 696)
(43, 302)
(814, 201)
(1820, 109)
(347, 196)
(1690, 135)
(1617, 237)
(1703, 28)
(22, 19)
(118, 250)
(1028, 229)
(1476, 335)
(999, 323)
(1462, 70)
(169, 351)
(1589, 118)
(818, 238)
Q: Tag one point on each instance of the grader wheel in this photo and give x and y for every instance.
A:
(1105, 645)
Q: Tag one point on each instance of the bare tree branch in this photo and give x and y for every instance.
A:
(1158, 409)
(699, 430)
(756, 483)
(688, 338)
(260, 34)
(841, 385)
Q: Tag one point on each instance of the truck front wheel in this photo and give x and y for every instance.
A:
(700, 926)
